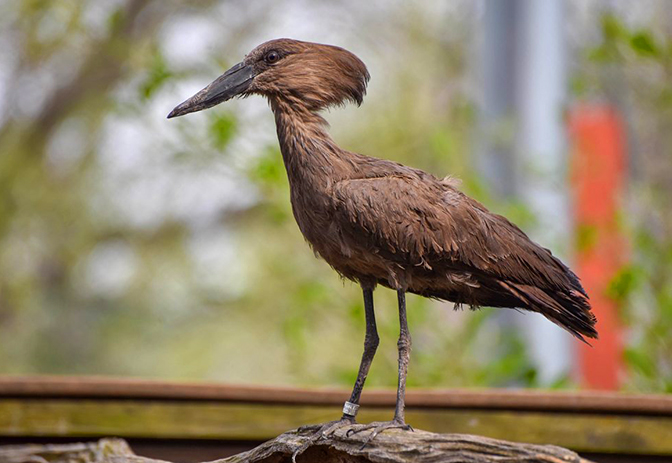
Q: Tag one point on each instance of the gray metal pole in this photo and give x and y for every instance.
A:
(497, 54)
(521, 152)
(541, 153)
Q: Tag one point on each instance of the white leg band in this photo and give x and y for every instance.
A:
(350, 409)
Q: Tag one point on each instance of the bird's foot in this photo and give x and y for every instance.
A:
(379, 426)
(323, 431)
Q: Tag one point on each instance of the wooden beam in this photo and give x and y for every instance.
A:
(490, 399)
(240, 421)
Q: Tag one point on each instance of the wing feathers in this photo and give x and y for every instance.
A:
(425, 223)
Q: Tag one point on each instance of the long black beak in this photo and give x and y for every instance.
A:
(233, 82)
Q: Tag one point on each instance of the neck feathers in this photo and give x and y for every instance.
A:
(309, 152)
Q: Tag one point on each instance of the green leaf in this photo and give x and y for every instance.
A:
(624, 283)
(269, 168)
(644, 44)
(613, 28)
(640, 361)
(157, 76)
(222, 129)
(614, 33)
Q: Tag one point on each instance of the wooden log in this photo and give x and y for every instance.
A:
(392, 446)
(102, 451)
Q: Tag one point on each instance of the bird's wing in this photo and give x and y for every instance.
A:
(421, 221)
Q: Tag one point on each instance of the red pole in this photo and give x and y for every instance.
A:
(598, 178)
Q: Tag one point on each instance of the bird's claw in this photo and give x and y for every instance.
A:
(377, 428)
(324, 431)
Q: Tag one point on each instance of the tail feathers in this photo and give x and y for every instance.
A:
(569, 310)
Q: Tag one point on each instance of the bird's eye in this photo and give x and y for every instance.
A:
(272, 57)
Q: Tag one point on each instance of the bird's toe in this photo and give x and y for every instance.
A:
(376, 428)
(322, 431)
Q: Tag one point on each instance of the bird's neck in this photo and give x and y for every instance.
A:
(311, 156)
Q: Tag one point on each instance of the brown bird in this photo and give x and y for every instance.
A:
(380, 222)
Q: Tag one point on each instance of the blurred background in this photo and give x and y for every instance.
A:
(131, 245)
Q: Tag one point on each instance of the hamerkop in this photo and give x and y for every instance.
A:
(380, 222)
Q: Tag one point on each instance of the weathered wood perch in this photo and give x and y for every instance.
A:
(389, 447)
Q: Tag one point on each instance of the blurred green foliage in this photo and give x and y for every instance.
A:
(157, 75)
(132, 245)
(222, 129)
(639, 60)
(108, 265)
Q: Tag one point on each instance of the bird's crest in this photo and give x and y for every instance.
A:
(311, 74)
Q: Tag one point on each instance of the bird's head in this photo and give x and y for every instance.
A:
(310, 74)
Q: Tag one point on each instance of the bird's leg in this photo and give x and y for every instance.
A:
(404, 346)
(350, 407)
(371, 341)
